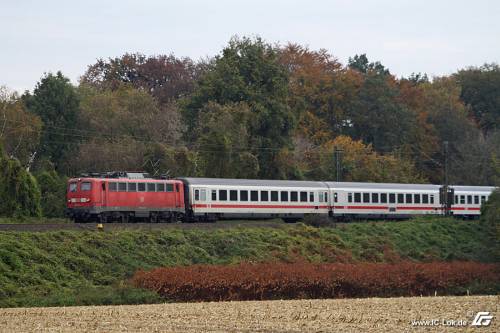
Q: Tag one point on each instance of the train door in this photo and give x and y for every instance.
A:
(104, 194)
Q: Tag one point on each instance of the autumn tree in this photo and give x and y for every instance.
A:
(165, 77)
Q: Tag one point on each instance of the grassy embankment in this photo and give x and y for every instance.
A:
(84, 267)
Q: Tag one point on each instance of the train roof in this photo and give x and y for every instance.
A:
(252, 182)
(394, 186)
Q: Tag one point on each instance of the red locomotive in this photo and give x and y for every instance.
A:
(123, 197)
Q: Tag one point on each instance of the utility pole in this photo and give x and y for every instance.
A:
(446, 193)
(337, 153)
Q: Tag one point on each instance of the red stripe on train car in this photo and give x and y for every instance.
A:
(256, 206)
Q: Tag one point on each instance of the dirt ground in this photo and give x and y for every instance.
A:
(342, 315)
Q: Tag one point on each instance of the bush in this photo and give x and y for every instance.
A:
(317, 220)
(19, 191)
(305, 280)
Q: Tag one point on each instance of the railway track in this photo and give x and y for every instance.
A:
(142, 226)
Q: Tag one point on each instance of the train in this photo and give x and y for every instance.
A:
(135, 196)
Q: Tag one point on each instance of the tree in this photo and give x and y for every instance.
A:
(481, 92)
(53, 192)
(222, 142)
(56, 102)
(165, 77)
(19, 129)
(248, 71)
(19, 191)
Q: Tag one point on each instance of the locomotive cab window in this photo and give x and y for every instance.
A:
(132, 187)
(86, 186)
(274, 195)
(72, 187)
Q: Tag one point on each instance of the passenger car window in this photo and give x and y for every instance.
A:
(366, 197)
(416, 198)
(303, 196)
(469, 199)
(264, 196)
(425, 198)
(274, 195)
(284, 196)
(392, 198)
(294, 196)
(86, 186)
(214, 195)
(203, 195)
(375, 197)
(196, 195)
(409, 198)
(335, 197)
(223, 195)
(349, 197)
(401, 198)
(243, 195)
(254, 195)
(311, 196)
(383, 197)
(233, 195)
(357, 197)
(476, 199)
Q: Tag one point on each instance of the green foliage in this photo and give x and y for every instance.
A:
(19, 191)
(248, 71)
(490, 219)
(56, 102)
(53, 193)
(481, 91)
(82, 267)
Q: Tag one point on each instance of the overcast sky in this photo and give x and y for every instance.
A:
(435, 37)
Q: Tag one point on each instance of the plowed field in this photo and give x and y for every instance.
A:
(345, 315)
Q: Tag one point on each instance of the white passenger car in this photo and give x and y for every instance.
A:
(213, 198)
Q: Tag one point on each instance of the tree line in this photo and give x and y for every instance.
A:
(255, 110)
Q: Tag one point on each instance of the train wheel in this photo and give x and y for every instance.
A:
(103, 218)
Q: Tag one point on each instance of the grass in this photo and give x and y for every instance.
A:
(33, 220)
(91, 267)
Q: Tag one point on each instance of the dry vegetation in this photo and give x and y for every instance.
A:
(346, 315)
(268, 281)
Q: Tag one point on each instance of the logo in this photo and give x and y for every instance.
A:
(482, 319)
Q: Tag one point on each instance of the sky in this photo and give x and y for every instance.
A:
(435, 37)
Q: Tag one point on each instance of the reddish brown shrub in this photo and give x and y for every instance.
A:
(305, 280)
